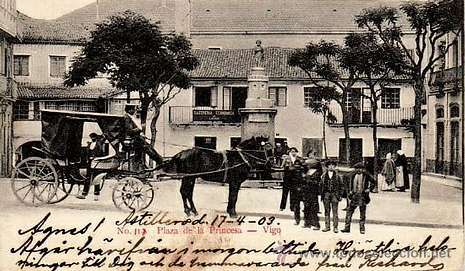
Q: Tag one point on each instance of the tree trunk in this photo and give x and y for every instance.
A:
(153, 128)
(416, 181)
(153, 125)
(345, 123)
(324, 135)
(143, 123)
(374, 110)
(143, 115)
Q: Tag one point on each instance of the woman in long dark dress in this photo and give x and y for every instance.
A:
(402, 161)
(311, 192)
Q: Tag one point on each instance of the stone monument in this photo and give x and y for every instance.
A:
(258, 116)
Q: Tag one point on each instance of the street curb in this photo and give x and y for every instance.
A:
(440, 179)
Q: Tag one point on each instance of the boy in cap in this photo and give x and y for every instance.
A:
(332, 188)
(359, 195)
(95, 148)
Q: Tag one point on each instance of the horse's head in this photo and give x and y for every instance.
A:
(253, 143)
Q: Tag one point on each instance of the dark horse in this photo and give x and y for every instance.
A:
(232, 167)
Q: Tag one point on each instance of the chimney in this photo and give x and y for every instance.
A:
(182, 15)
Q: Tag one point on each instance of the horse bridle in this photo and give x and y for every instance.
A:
(247, 153)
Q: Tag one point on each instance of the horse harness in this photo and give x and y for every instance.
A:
(224, 165)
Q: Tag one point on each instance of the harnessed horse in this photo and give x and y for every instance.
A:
(231, 166)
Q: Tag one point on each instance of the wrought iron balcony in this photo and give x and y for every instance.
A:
(385, 116)
(449, 80)
(191, 115)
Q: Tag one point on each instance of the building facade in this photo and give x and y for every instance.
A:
(7, 85)
(443, 146)
(207, 113)
(223, 34)
(39, 69)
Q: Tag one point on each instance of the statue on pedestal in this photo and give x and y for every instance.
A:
(259, 54)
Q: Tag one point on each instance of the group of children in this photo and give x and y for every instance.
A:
(306, 179)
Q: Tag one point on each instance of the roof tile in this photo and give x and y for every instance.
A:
(208, 16)
(47, 91)
(75, 26)
(272, 15)
(237, 63)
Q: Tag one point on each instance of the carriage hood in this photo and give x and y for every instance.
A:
(62, 131)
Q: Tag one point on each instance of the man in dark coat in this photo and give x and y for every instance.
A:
(293, 180)
(359, 195)
(133, 132)
(332, 188)
(310, 194)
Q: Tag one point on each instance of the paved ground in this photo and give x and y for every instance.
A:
(440, 205)
(390, 215)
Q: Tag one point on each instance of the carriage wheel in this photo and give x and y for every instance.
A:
(63, 191)
(132, 194)
(34, 181)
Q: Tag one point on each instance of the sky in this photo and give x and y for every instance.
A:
(49, 9)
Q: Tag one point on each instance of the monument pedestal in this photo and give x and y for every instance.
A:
(258, 116)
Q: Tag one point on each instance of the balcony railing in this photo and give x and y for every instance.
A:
(385, 117)
(447, 80)
(185, 115)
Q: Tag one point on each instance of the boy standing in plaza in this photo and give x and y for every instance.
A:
(331, 192)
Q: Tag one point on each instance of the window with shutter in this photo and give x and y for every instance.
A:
(278, 95)
(214, 96)
(57, 66)
(310, 96)
(272, 95)
(227, 97)
(21, 65)
(390, 98)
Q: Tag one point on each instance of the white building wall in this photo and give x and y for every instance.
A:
(293, 122)
(39, 63)
(39, 60)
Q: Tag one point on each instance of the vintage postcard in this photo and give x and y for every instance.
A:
(232, 135)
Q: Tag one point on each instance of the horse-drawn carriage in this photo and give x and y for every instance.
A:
(51, 178)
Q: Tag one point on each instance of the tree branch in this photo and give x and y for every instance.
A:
(432, 59)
